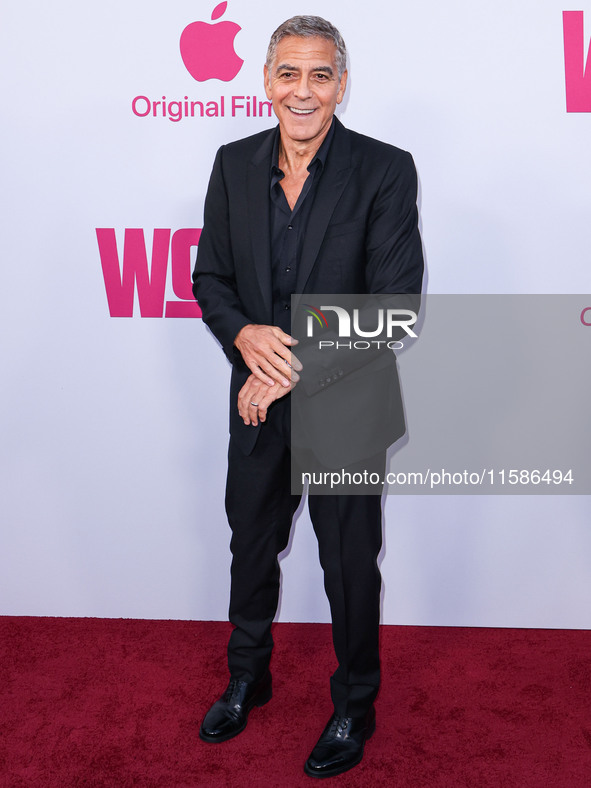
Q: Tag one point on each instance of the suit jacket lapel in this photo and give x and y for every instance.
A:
(257, 192)
(337, 172)
(335, 177)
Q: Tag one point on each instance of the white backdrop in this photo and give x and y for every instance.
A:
(114, 429)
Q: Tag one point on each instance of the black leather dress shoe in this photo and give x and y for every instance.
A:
(228, 715)
(341, 745)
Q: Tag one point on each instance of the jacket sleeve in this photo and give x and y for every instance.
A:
(394, 254)
(214, 277)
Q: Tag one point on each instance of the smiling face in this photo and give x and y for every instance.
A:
(304, 87)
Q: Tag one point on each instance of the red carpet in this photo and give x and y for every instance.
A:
(115, 703)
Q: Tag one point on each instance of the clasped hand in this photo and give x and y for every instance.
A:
(255, 397)
(265, 350)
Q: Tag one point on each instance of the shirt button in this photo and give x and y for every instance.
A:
(286, 306)
(288, 269)
(290, 227)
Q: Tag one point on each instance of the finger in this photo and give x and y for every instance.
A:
(283, 355)
(263, 405)
(256, 394)
(249, 413)
(243, 411)
(268, 366)
(261, 346)
(293, 375)
(296, 363)
(274, 354)
(260, 374)
(260, 401)
(294, 366)
(277, 370)
(275, 341)
(254, 404)
(284, 338)
(248, 395)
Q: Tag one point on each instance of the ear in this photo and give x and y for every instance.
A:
(342, 87)
(267, 81)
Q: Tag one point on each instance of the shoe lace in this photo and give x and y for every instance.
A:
(338, 725)
(232, 690)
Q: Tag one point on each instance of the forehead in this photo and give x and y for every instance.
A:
(310, 52)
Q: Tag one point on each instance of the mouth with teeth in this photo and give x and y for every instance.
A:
(297, 111)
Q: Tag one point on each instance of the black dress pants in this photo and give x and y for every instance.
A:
(260, 509)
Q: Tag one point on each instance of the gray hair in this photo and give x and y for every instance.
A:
(309, 27)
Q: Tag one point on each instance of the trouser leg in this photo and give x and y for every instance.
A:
(349, 532)
(260, 508)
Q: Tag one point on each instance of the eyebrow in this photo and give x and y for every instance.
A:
(287, 67)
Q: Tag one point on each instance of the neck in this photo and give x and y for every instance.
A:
(295, 156)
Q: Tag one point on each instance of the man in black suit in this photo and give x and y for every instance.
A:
(308, 207)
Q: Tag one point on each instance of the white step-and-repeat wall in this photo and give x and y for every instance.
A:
(114, 394)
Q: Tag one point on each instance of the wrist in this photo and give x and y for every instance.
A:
(239, 336)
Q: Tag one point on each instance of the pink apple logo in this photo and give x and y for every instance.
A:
(208, 50)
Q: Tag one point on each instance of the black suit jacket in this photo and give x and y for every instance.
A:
(362, 237)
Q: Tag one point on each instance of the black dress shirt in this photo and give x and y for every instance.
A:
(288, 229)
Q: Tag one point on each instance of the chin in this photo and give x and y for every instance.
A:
(301, 131)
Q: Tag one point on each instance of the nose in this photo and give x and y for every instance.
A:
(302, 88)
